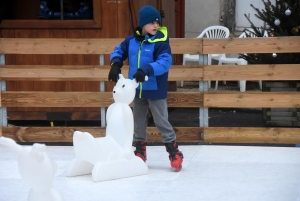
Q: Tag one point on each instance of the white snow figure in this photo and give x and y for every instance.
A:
(110, 157)
(36, 169)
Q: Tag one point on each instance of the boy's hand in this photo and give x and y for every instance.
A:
(114, 72)
(139, 76)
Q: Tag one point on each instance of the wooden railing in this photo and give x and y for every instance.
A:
(201, 99)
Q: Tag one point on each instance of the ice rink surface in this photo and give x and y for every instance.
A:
(210, 173)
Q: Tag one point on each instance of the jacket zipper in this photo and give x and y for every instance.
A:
(139, 55)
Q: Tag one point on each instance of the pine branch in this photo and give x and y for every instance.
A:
(289, 26)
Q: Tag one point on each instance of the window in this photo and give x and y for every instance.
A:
(66, 9)
(54, 14)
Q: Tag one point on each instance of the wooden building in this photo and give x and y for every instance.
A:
(110, 19)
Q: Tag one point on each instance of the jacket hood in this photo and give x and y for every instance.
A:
(161, 35)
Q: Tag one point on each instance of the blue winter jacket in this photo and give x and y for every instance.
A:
(152, 54)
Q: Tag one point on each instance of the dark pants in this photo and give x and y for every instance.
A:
(159, 112)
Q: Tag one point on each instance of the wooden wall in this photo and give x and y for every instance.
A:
(118, 18)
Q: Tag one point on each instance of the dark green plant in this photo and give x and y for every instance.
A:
(289, 26)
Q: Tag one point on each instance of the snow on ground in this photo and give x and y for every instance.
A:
(210, 173)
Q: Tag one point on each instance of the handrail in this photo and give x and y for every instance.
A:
(178, 45)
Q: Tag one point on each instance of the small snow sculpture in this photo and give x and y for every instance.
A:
(110, 157)
(36, 169)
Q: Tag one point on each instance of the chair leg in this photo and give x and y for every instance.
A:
(209, 63)
(224, 82)
(209, 84)
(216, 86)
(242, 85)
(260, 84)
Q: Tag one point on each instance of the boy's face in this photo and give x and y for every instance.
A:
(150, 28)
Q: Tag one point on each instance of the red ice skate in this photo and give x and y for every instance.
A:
(140, 150)
(176, 157)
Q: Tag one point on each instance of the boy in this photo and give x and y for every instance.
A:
(149, 54)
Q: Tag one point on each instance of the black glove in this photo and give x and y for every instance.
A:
(139, 76)
(114, 72)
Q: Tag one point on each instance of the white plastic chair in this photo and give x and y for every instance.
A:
(250, 32)
(224, 60)
(209, 32)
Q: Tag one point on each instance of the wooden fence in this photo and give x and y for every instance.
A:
(202, 99)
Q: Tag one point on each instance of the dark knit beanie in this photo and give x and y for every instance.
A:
(148, 14)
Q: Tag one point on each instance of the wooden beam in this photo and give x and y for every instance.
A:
(84, 46)
(56, 99)
(252, 135)
(177, 72)
(252, 100)
(57, 46)
(289, 44)
(87, 99)
(174, 99)
(178, 45)
(42, 115)
(185, 99)
(55, 73)
(186, 73)
(65, 134)
(252, 72)
(85, 73)
(48, 134)
(186, 45)
(184, 134)
(49, 24)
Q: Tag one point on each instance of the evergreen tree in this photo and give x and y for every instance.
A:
(282, 19)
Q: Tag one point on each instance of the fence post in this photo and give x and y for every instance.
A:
(203, 86)
(102, 89)
(3, 110)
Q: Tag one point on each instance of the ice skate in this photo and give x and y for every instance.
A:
(175, 156)
(140, 150)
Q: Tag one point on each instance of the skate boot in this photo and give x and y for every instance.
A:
(175, 156)
(140, 150)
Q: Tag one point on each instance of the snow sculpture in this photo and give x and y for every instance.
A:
(110, 157)
(36, 169)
